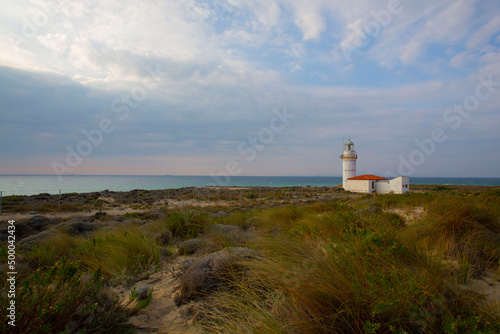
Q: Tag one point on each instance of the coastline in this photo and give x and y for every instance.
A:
(141, 200)
(37, 184)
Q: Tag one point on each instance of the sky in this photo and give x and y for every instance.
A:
(257, 87)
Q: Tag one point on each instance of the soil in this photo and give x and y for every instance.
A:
(410, 216)
(162, 315)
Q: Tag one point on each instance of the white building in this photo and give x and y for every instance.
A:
(368, 183)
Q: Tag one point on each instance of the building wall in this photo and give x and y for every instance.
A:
(360, 186)
(398, 185)
(383, 187)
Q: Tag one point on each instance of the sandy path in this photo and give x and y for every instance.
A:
(410, 215)
(158, 205)
(4, 217)
(489, 285)
(161, 315)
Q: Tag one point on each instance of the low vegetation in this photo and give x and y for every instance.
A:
(348, 265)
(329, 268)
(66, 297)
(117, 253)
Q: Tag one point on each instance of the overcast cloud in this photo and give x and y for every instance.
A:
(386, 74)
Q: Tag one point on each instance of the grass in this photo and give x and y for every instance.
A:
(63, 284)
(117, 253)
(61, 298)
(25, 204)
(468, 232)
(53, 207)
(350, 265)
(331, 269)
(187, 224)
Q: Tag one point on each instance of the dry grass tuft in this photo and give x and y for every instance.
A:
(465, 231)
(123, 251)
(334, 270)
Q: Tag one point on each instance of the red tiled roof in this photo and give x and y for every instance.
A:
(367, 177)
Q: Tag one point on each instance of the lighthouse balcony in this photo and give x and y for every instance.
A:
(349, 155)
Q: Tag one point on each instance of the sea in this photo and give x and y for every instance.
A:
(51, 184)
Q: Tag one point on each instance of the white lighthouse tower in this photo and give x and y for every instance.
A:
(368, 183)
(348, 163)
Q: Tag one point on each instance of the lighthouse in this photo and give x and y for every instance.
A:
(348, 162)
(368, 183)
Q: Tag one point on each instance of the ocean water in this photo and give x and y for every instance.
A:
(37, 184)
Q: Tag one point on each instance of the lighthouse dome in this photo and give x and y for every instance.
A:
(349, 145)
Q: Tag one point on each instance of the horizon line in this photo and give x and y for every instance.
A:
(291, 175)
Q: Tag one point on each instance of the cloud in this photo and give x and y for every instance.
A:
(55, 42)
(224, 66)
(307, 16)
(148, 29)
(297, 50)
(462, 59)
(266, 13)
(484, 34)
(412, 33)
(354, 37)
(295, 67)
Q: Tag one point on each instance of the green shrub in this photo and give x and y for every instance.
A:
(251, 196)
(53, 207)
(145, 302)
(493, 192)
(62, 298)
(14, 199)
(41, 256)
(187, 224)
(442, 188)
(123, 251)
(137, 215)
